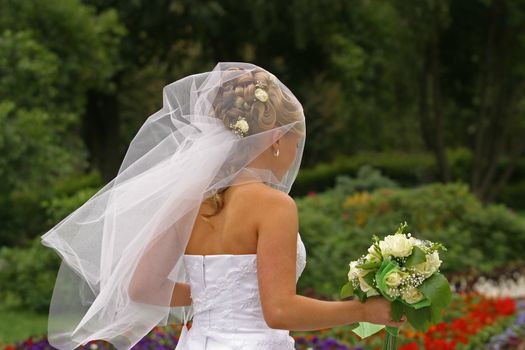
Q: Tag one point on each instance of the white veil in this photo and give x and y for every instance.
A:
(122, 250)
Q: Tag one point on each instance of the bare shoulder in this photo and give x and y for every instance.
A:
(277, 218)
(271, 205)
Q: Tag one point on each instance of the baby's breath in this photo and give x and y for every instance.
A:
(355, 282)
(413, 279)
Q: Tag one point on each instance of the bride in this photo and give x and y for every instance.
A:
(198, 224)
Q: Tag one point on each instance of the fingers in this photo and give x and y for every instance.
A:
(398, 324)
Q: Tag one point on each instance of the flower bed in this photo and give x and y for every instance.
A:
(159, 338)
(472, 322)
(513, 336)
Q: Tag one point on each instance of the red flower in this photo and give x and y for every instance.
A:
(505, 306)
(439, 344)
(410, 346)
(460, 324)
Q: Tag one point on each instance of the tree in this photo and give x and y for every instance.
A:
(468, 58)
(51, 53)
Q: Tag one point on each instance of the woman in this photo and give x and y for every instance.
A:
(198, 222)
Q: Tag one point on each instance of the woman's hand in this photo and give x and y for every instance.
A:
(376, 310)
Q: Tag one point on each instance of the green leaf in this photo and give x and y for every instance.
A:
(366, 329)
(397, 309)
(437, 289)
(401, 227)
(436, 315)
(418, 256)
(369, 265)
(360, 294)
(422, 303)
(369, 279)
(347, 290)
(418, 319)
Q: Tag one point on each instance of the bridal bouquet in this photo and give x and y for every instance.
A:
(404, 270)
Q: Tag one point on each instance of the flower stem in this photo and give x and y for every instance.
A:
(391, 338)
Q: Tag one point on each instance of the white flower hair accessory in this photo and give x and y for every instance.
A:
(260, 88)
(273, 79)
(240, 127)
(260, 92)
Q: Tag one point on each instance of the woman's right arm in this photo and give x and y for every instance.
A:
(276, 266)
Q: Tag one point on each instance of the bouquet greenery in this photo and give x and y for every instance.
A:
(404, 270)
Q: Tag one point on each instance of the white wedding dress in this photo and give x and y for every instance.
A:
(227, 313)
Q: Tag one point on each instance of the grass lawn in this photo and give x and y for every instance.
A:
(20, 325)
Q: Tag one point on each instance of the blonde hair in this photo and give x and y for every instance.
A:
(236, 97)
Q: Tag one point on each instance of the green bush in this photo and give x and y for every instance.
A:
(337, 227)
(21, 217)
(28, 273)
(45, 207)
(368, 179)
(59, 207)
(513, 194)
(27, 276)
(408, 170)
(25, 213)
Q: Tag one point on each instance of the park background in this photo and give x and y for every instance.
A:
(415, 111)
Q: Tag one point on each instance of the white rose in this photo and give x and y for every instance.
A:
(412, 295)
(365, 287)
(358, 273)
(372, 255)
(353, 270)
(397, 245)
(427, 268)
(393, 279)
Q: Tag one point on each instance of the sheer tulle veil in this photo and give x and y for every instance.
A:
(122, 250)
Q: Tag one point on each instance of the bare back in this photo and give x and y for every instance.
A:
(234, 229)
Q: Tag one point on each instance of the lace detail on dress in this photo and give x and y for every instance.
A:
(221, 286)
(269, 343)
(226, 302)
(251, 300)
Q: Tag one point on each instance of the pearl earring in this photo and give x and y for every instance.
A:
(276, 154)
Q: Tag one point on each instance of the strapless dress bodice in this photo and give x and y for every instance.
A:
(227, 312)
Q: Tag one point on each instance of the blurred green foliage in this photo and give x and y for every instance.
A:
(78, 78)
(27, 276)
(408, 170)
(51, 54)
(337, 226)
(27, 273)
(44, 206)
